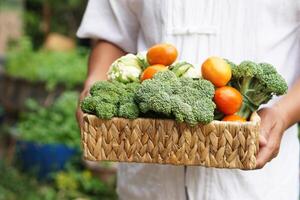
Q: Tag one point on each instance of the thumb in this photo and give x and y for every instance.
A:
(79, 117)
(262, 141)
(266, 123)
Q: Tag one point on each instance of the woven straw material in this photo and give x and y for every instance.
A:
(217, 144)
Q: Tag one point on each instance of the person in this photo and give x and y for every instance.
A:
(262, 31)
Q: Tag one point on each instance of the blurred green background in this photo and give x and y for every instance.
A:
(42, 69)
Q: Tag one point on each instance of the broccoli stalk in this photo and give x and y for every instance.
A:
(257, 84)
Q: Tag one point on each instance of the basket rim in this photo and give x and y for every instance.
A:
(254, 119)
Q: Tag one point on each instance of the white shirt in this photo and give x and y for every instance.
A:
(258, 30)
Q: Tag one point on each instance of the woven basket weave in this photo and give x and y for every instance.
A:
(217, 144)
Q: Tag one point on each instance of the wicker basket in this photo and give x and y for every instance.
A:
(218, 144)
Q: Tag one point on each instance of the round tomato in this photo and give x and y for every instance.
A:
(164, 54)
(217, 71)
(228, 100)
(234, 118)
(150, 71)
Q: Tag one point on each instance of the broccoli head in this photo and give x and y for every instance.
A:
(106, 110)
(101, 87)
(112, 99)
(275, 82)
(88, 105)
(185, 99)
(232, 64)
(129, 110)
(257, 83)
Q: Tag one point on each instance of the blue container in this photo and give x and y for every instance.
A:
(43, 159)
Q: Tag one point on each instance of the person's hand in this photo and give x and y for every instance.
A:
(83, 94)
(79, 113)
(271, 131)
(103, 54)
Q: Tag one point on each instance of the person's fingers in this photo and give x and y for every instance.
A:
(79, 117)
(266, 154)
(263, 157)
(274, 145)
(79, 113)
(266, 122)
(271, 131)
(262, 141)
(268, 151)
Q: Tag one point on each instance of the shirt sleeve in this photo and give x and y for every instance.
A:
(110, 20)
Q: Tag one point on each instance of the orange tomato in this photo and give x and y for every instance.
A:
(217, 71)
(150, 71)
(228, 100)
(234, 118)
(164, 54)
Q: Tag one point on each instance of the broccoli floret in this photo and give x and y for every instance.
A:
(274, 81)
(144, 108)
(129, 110)
(181, 110)
(106, 110)
(88, 105)
(201, 86)
(108, 97)
(131, 87)
(144, 93)
(257, 83)
(205, 110)
(106, 86)
(160, 102)
(244, 73)
(166, 77)
(126, 98)
(112, 99)
(232, 64)
(186, 99)
(129, 94)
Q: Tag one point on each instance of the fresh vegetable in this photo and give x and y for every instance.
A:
(216, 70)
(231, 64)
(234, 118)
(176, 91)
(126, 69)
(164, 54)
(150, 71)
(228, 100)
(142, 58)
(258, 83)
(184, 69)
(112, 99)
(184, 99)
